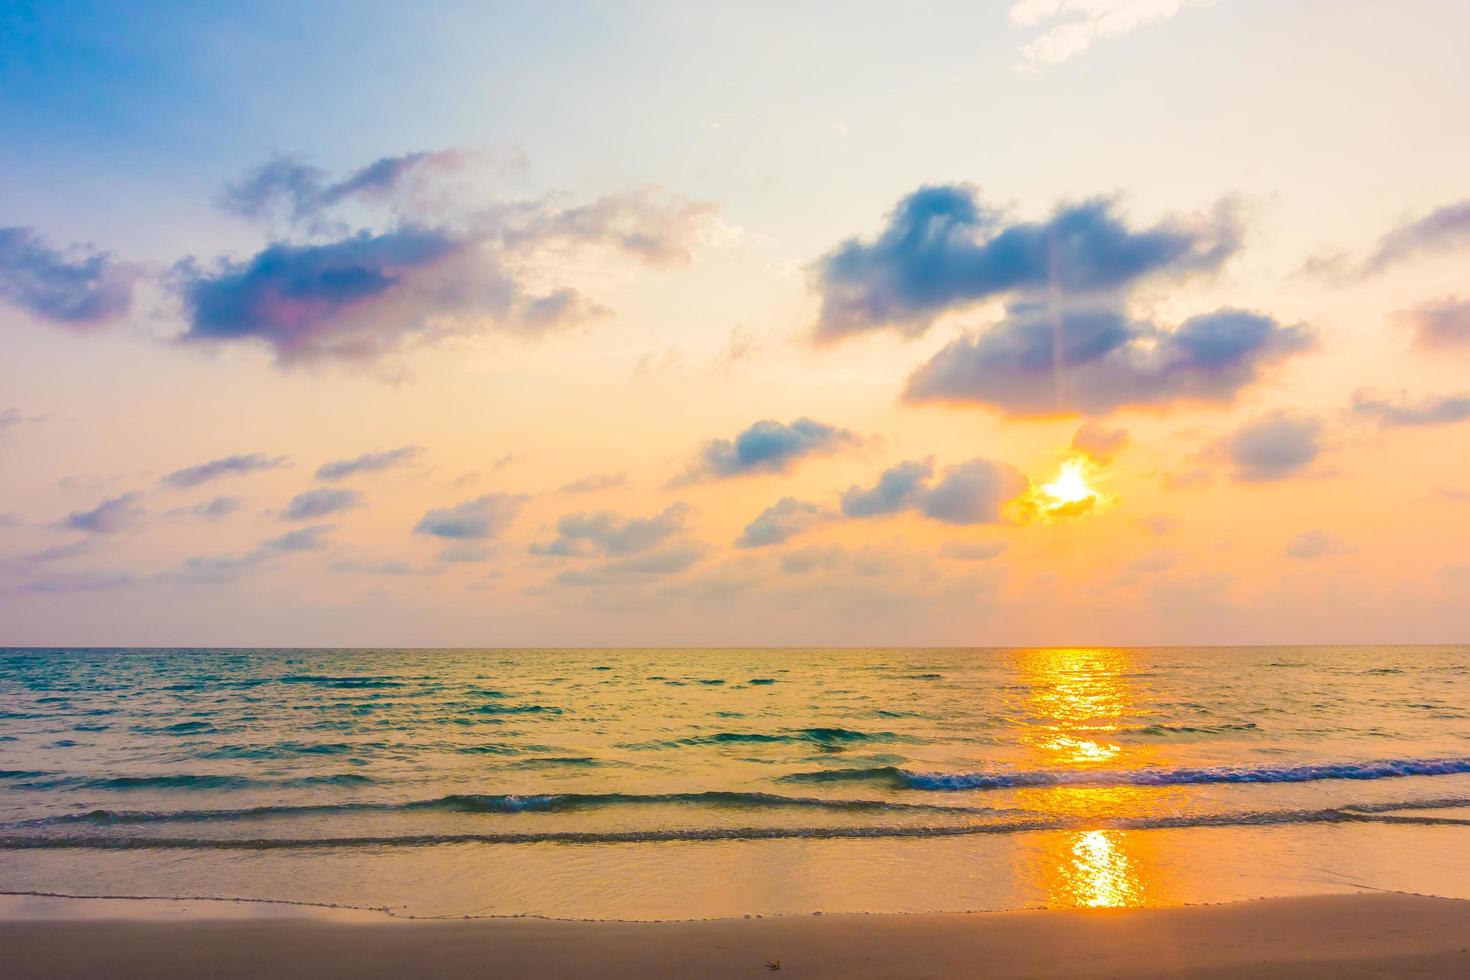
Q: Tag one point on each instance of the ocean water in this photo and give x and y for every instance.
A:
(690, 783)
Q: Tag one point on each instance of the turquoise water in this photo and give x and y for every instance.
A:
(657, 783)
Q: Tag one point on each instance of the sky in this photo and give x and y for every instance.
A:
(1019, 322)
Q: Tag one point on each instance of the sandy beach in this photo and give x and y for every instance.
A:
(1329, 936)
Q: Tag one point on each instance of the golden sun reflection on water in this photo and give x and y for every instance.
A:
(1079, 701)
(1101, 876)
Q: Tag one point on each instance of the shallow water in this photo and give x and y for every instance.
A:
(677, 783)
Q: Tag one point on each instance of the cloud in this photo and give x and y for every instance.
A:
(1400, 412)
(218, 508)
(483, 517)
(767, 446)
(1043, 360)
(973, 492)
(591, 484)
(360, 295)
(1099, 442)
(781, 521)
(313, 538)
(464, 552)
(216, 569)
(301, 191)
(1441, 230)
(943, 250)
(319, 503)
(897, 489)
(361, 567)
(108, 517)
(192, 476)
(341, 469)
(581, 535)
(81, 289)
(1441, 325)
(1083, 22)
(12, 417)
(668, 560)
(89, 580)
(1273, 447)
(655, 227)
(1314, 544)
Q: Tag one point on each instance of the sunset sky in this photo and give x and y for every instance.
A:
(724, 324)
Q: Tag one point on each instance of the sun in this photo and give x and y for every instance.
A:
(1068, 495)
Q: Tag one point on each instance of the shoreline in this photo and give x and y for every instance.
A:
(1363, 934)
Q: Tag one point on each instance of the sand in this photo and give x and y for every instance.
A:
(1342, 936)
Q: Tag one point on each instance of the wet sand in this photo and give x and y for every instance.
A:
(1330, 936)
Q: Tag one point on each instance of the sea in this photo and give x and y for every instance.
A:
(650, 784)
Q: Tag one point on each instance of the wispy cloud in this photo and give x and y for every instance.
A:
(482, 517)
(341, 469)
(192, 476)
(1403, 412)
(1075, 25)
(595, 482)
(313, 504)
(108, 517)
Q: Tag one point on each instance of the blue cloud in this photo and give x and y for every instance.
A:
(973, 492)
(483, 517)
(108, 517)
(580, 535)
(192, 476)
(82, 289)
(781, 521)
(896, 490)
(1044, 360)
(319, 503)
(1273, 447)
(767, 446)
(943, 249)
(341, 469)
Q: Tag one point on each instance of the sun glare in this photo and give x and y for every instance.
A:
(1068, 495)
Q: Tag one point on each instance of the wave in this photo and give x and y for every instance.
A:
(905, 779)
(504, 803)
(183, 781)
(1266, 818)
(817, 736)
